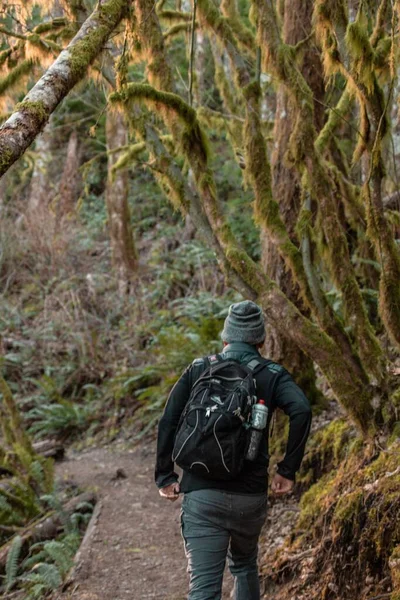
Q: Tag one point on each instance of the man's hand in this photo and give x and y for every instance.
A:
(281, 486)
(171, 492)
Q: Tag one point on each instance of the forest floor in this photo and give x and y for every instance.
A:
(135, 551)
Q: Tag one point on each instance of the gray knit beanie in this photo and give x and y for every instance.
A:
(244, 323)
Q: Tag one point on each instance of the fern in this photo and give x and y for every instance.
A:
(5, 507)
(12, 562)
(32, 561)
(46, 575)
(37, 473)
(54, 419)
(60, 554)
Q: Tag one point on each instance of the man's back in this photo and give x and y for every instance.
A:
(222, 518)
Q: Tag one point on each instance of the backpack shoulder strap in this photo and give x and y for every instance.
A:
(256, 364)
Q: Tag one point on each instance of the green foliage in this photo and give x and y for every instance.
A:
(62, 418)
(12, 562)
(47, 563)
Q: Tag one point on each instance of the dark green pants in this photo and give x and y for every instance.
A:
(217, 525)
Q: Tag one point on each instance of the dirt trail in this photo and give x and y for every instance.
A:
(136, 550)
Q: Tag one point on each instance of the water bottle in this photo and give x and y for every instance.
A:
(259, 416)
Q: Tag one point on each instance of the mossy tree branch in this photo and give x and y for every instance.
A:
(249, 275)
(31, 115)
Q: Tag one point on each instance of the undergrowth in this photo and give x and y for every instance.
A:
(348, 523)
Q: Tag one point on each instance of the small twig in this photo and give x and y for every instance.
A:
(381, 596)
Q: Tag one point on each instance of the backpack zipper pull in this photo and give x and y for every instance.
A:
(211, 409)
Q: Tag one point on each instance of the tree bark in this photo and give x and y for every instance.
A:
(31, 115)
(286, 188)
(39, 195)
(119, 221)
(69, 184)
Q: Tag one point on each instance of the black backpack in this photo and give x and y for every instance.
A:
(212, 435)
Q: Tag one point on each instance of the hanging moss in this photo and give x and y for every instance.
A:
(380, 22)
(244, 35)
(176, 30)
(334, 120)
(50, 25)
(5, 55)
(382, 54)
(14, 76)
(327, 15)
(127, 157)
(211, 17)
(360, 50)
(193, 137)
(171, 16)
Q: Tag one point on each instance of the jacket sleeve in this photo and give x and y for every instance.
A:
(290, 398)
(178, 397)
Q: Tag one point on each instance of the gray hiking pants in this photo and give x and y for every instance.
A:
(216, 525)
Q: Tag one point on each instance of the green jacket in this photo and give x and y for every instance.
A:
(276, 387)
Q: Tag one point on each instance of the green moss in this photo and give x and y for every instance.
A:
(326, 449)
(127, 157)
(34, 38)
(85, 50)
(16, 74)
(360, 50)
(193, 138)
(5, 55)
(176, 30)
(348, 508)
(312, 503)
(334, 120)
(6, 157)
(37, 110)
(382, 53)
(394, 563)
(175, 15)
(243, 34)
(50, 25)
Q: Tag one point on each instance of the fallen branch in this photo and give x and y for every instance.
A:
(79, 557)
(47, 527)
(49, 449)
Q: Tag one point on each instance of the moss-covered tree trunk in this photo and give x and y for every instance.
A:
(349, 384)
(286, 188)
(119, 220)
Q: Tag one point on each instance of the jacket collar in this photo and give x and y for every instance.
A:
(241, 348)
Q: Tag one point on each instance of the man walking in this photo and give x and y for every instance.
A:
(223, 518)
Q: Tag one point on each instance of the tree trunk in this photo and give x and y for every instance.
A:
(31, 115)
(119, 221)
(39, 195)
(70, 179)
(286, 188)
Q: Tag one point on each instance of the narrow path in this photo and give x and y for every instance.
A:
(136, 551)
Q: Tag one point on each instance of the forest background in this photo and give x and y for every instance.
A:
(159, 161)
